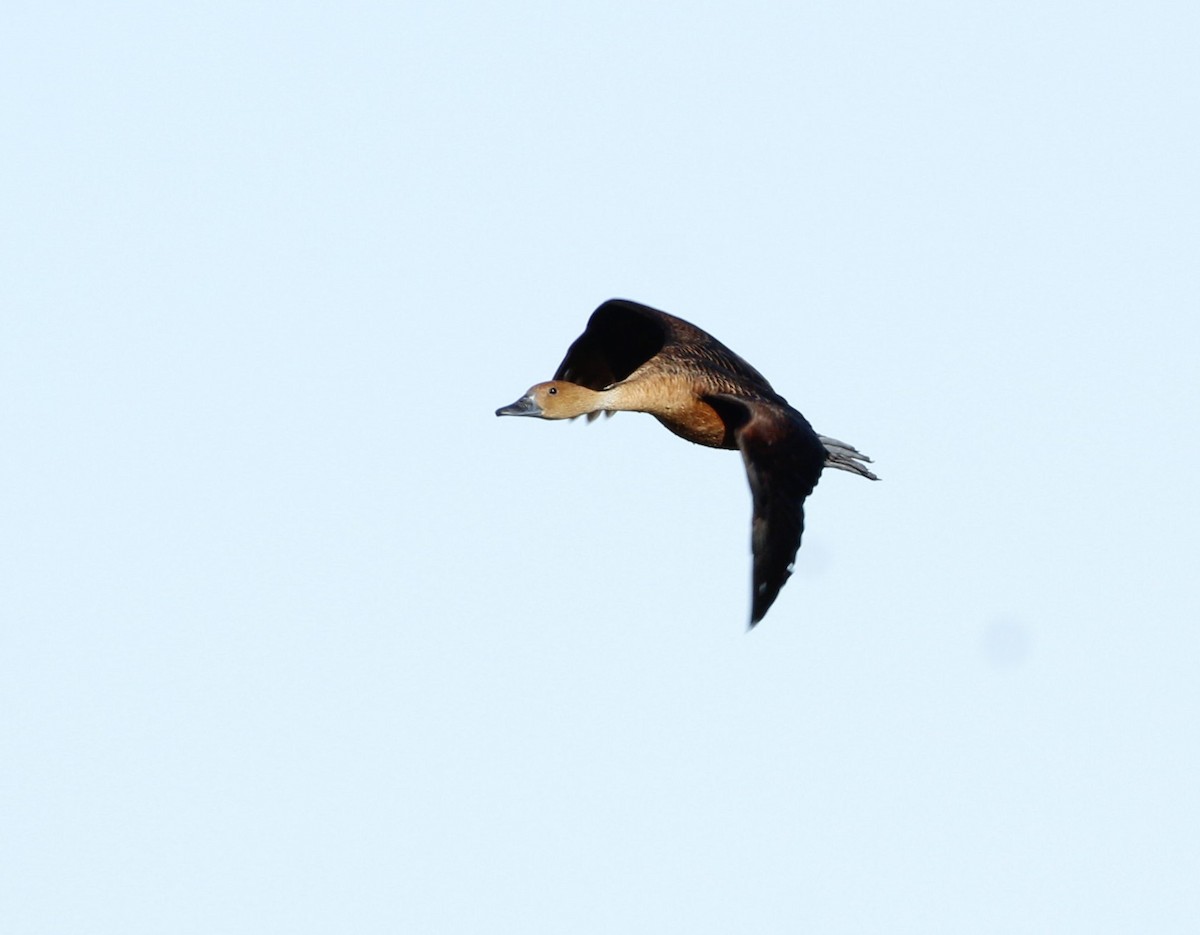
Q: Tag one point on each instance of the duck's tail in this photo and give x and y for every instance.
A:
(846, 458)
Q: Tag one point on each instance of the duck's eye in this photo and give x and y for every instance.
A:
(553, 391)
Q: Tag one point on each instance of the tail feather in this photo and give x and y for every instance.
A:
(846, 458)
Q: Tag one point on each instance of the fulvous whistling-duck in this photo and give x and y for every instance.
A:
(632, 358)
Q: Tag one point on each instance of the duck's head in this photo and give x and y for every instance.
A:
(554, 399)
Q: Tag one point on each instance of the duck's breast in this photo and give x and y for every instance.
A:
(673, 395)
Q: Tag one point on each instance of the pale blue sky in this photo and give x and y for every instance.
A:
(298, 637)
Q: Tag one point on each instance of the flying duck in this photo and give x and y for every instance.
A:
(632, 358)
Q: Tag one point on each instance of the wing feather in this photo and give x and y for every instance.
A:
(783, 458)
(620, 337)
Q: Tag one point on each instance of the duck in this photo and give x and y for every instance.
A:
(633, 358)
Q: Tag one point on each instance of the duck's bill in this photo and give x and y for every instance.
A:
(525, 406)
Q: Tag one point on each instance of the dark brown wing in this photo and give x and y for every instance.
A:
(783, 458)
(620, 337)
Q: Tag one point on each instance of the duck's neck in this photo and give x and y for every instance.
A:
(625, 397)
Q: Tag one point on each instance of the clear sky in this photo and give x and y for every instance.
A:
(297, 637)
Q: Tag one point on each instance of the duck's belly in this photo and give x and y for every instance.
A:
(697, 422)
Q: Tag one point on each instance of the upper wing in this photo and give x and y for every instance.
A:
(620, 337)
(783, 458)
